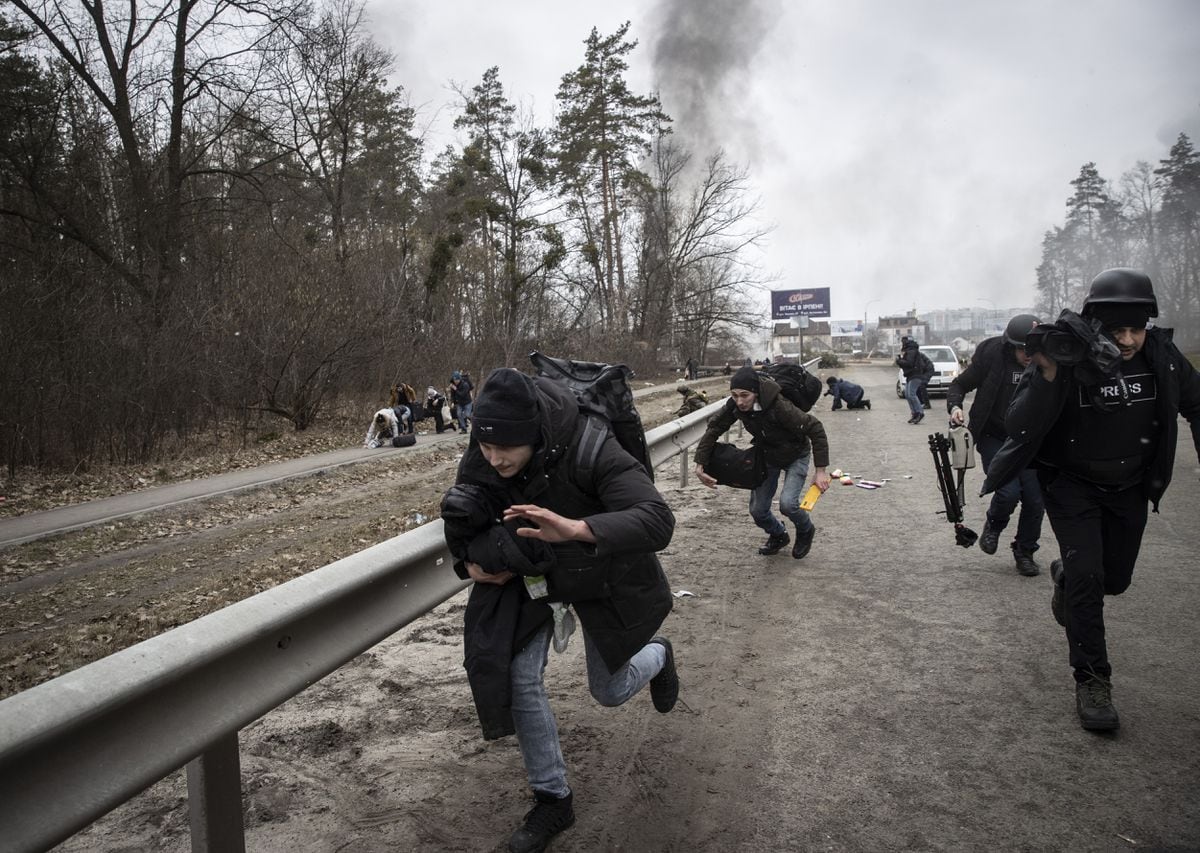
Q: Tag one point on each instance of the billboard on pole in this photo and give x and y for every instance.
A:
(811, 302)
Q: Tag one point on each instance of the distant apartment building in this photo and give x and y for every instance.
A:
(786, 340)
(971, 323)
(892, 329)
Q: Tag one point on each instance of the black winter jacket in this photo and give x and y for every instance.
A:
(1037, 405)
(782, 431)
(990, 368)
(914, 363)
(617, 585)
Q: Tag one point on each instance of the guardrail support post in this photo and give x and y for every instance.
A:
(683, 468)
(214, 781)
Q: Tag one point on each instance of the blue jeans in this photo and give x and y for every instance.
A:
(537, 730)
(464, 412)
(1022, 488)
(912, 393)
(794, 476)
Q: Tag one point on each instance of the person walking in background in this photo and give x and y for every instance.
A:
(993, 375)
(843, 390)
(435, 402)
(581, 528)
(918, 370)
(789, 439)
(460, 394)
(1104, 446)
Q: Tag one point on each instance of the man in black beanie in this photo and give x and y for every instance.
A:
(789, 438)
(603, 520)
(1101, 452)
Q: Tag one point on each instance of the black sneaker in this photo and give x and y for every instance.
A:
(1056, 600)
(544, 821)
(664, 687)
(918, 417)
(1093, 700)
(803, 543)
(926, 406)
(913, 419)
(867, 405)
(775, 544)
(989, 540)
(1026, 565)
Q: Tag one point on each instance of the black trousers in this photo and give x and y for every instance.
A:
(1099, 534)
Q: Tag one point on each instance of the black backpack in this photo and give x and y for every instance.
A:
(603, 393)
(800, 387)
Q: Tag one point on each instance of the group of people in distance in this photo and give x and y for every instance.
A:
(551, 525)
(404, 410)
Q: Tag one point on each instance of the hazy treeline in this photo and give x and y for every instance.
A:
(1150, 219)
(211, 209)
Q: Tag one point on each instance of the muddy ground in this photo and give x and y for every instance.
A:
(889, 692)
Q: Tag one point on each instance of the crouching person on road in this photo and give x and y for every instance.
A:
(843, 390)
(1104, 447)
(789, 438)
(384, 427)
(550, 514)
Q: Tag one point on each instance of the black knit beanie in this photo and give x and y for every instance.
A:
(506, 410)
(1116, 315)
(746, 379)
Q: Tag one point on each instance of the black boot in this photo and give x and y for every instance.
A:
(803, 543)
(1093, 700)
(664, 687)
(989, 540)
(544, 821)
(1025, 564)
(775, 544)
(867, 405)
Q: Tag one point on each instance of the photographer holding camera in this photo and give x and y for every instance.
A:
(993, 374)
(1101, 424)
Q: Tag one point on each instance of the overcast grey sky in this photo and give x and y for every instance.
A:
(908, 153)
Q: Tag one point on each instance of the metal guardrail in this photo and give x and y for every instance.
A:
(76, 747)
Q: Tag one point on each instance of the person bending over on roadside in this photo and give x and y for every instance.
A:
(547, 512)
(843, 390)
(993, 374)
(1104, 447)
(789, 438)
(384, 427)
(693, 401)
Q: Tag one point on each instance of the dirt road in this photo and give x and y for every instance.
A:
(889, 692)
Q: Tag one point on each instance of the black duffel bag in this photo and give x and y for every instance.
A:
(730, 465)
(406, 439)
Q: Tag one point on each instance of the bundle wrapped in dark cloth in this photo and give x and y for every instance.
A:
(500, 619)
(468, 509)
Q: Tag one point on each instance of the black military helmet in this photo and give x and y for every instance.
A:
(1121, 286)
(1018, 328)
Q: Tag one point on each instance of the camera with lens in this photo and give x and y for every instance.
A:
(1074, 340)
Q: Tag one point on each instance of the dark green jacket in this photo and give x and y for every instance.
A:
(782, 431)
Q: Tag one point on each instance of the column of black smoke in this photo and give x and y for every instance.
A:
(702, 57)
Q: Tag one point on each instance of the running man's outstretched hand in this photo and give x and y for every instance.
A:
(551, 527)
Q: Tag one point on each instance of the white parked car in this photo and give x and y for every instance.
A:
(945, 369)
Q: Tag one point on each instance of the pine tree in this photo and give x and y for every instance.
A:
(603, 131)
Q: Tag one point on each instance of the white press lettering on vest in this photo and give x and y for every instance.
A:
(1141, 388)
